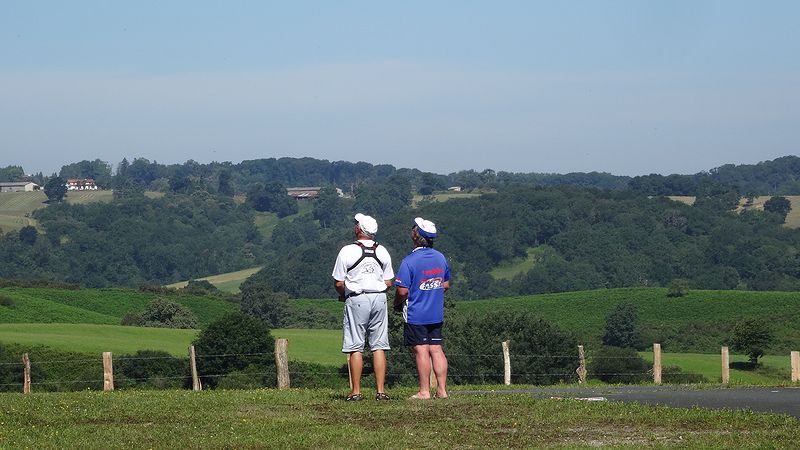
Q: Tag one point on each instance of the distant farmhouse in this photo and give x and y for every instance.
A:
(77, 184)
(18, 186)
(308, 192)
(303, 192)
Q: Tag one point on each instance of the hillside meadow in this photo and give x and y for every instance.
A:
(98, 306)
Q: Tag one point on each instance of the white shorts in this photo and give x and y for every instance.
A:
(365, 315)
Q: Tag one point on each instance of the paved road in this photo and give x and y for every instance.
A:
(773, 400)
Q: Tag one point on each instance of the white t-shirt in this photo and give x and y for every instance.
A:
(368, 275)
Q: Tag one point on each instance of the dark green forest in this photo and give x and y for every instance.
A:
(587, 230)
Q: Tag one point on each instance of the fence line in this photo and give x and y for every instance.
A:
(283, 374)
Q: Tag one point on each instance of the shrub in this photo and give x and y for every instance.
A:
(251, 377)
(7, 301)
(162, 313)
(621, 327)
(751, 336)
(260, 302)
(618, 365)
(200, 287)
(473, 345)
(678, 287)
(232, 343)
(152, 369)
(675, 375)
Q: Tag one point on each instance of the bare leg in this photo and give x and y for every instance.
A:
(356, 366)
(423, 358)
(440, 369)
(379, 364)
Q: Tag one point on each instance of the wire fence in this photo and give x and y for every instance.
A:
(255, 369)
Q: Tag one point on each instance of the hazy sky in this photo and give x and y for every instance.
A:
(627, 87)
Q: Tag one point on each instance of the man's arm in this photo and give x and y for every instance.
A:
(339, 286)
(446, 285)
(400, 297)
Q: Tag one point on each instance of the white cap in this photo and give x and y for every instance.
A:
(426, 227)
(367, 223)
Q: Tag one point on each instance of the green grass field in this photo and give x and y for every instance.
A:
(225, 282)
(776, 369)
(442, 197)
(318, 346)
(319, 419)
(509, 270)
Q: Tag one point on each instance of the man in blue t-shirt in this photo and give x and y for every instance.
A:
(421, 281)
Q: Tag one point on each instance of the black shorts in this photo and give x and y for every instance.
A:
(422, 334)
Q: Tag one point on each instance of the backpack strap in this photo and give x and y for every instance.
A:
(366, 252)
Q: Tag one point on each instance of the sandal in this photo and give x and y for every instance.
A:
(381, 396)
(354, 398)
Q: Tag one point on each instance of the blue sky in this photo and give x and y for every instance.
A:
(627, 87)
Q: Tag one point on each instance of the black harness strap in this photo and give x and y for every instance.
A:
(366, 252)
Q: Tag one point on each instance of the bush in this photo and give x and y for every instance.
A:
(310, 375)
(162, 313)
(260, 302)
(675, 375)
(619, 365)
(251, 377)
(678, 287)
(200, 287)
(751, 336)
(621, 327)
(233, 343)
(7, 301)
(152, 369)
(473, 345)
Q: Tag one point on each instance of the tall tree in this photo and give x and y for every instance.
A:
(55, 189)
(778, 205)
(621, 327)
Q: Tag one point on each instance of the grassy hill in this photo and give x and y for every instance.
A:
(699, 321)
(96, 306)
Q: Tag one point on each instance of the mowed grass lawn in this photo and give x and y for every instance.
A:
(317, 346)
(225, 282)
(776, 369)
(319, 419)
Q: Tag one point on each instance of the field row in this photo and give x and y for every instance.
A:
(322, 347)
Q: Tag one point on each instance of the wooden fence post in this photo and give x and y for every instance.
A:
(657, 363)
(108, 372)
(726, 369)
(581, 370)
(506, 364)
(26, 374)
(795, 366)
(196, 385)
(282, 362)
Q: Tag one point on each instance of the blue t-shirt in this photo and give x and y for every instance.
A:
(423, 272)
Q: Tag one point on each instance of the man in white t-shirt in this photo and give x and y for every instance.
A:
(362, 274)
